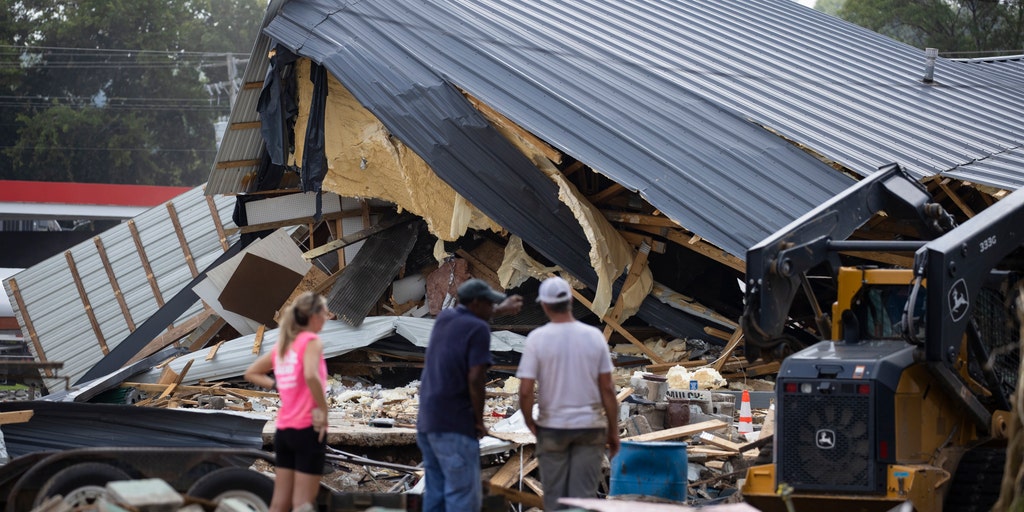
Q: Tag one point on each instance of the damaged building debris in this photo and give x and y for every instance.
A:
(372, 158)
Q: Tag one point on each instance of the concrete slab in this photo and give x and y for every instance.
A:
(343, 431)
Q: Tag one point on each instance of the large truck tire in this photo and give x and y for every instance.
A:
(80, 485)
(246, 485)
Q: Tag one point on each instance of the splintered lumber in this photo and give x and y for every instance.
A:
(677, 432)
(725, 444)
(734, 341)
(257, 341)
(621, 330)
(708, 451)
(7, 418)
(534, 485)
(170, 389)
(509, 473)
(213, 350)
(160, 388)
(664, 367)
(530, 500)
(624, 394)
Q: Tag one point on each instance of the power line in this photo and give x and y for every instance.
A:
(70, 148)
(101, 51)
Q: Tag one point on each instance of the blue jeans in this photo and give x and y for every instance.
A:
(452, 465)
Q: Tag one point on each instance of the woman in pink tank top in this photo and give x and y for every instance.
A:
(300, 376)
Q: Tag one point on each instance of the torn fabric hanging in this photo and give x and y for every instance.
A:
(314, 160)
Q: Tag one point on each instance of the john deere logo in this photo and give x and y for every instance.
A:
(958, 300)
(825, 439)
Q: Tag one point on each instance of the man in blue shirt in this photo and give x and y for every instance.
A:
(450, 420)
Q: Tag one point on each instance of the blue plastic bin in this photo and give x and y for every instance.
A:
(650, 469)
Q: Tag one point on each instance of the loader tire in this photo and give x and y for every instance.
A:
(251, 487)
(81, 485)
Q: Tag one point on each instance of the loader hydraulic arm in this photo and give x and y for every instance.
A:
(777, 265)
(958, 264)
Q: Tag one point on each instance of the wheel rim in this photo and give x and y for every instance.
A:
(85, 495)
(251, 500)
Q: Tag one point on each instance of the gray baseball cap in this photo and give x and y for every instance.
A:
(478, 289)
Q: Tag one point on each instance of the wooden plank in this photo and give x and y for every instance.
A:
(687, 240)
(944, 185)
(572, 168)
(160, 388)
(339, 232)
(298, 221)
(257, 342)
(710, 452)
(639, 219)
(509, 473)
(755, 371)
(500, 121)
(534, 485)
(635, 270)
(215, 215)
(247, 125)
(530, 500)
(718, 333)
(621, 330)
(635, 239)
(488, 274)
(734, 342)
(623, 394)
(170, 336)
(86, 304)
(725, 444)
(113, 283)
(234, 164)
(181, 239)
(174, 385)
(25, 317)
(677, 432)
(199, 340)
(664, 367)
(7, 418)
(355, 237)
(213, 350)
(611, 191)
(141, 250)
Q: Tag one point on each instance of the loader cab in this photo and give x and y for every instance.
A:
(870, 303)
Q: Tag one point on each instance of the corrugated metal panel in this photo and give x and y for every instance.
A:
(363, 281)
(234, 356)
(229, 175)
(619, 89)
(51, 298)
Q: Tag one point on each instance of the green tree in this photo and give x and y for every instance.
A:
(118, 91)
(970, 27)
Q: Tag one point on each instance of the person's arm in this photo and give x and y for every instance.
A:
(611, 410)
(477, 394)
(510, 306)
(311, 373)
(258, 370)
(526, 387)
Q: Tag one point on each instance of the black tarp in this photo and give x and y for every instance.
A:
(66, 425)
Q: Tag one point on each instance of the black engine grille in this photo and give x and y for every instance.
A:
(824, 442)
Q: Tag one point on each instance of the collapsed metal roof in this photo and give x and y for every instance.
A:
(656, 94)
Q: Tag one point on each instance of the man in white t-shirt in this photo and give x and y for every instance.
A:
(568, 363)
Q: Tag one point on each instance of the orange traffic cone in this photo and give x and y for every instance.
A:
(746, 425)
